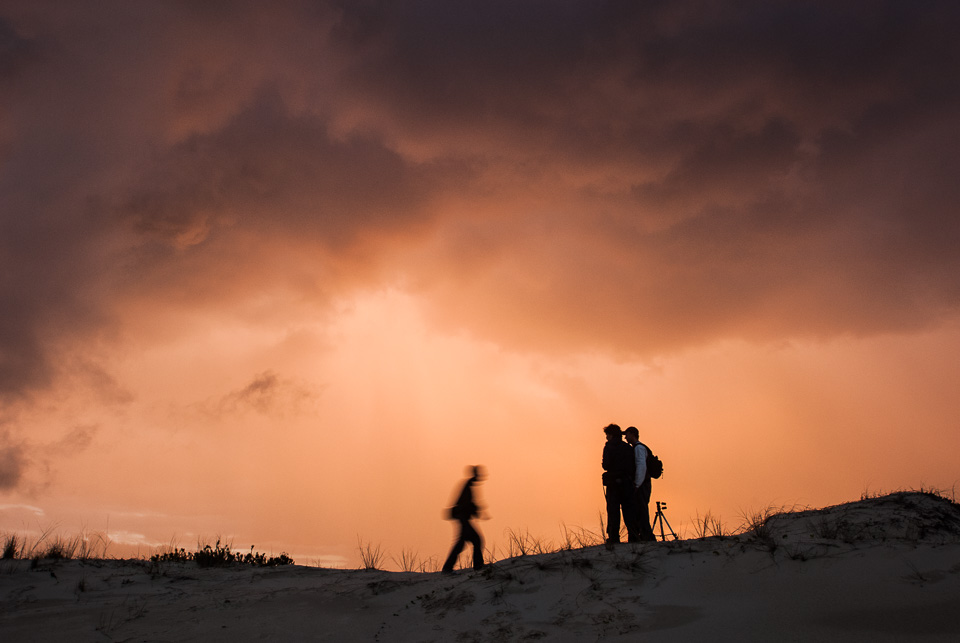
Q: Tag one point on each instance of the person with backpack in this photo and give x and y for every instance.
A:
(618, 472)
(642, 486)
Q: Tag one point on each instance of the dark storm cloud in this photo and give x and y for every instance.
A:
(21, 460)
(12, 465)
(696, 169)
(605, 77)
(760, 170)
(269, 168)
(130, 135)
(16, 52)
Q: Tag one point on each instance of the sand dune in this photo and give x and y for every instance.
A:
(880, 569)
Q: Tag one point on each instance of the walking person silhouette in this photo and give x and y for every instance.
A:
(462, 511)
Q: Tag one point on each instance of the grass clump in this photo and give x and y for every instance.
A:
(408, 561)
(578, 538)
(60, 549)
(522, 543)
(371, 556)
(50, 545)
(757, 525)
(13, 547)
(220, 555)
(708, 525)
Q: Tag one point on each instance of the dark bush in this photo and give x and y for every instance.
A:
(220, 555)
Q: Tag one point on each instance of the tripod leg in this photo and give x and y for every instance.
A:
(668, 527)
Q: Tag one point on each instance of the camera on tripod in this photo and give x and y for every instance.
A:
(662, 520)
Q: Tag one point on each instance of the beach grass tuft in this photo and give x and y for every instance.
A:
(371, 555)
(708, 525)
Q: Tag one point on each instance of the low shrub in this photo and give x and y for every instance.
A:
(220, 555)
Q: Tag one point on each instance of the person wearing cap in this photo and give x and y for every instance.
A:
(618, 474)
(642, 485)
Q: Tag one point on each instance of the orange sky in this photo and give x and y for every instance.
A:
(280, 275)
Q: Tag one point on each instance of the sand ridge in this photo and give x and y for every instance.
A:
(880, 569)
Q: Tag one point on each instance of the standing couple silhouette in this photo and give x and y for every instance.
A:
(626, 485)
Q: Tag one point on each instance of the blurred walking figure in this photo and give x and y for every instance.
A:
(462, 511)
(618, 473)
(642, 485)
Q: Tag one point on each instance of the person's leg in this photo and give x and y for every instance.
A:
(643, 511)
(455, 552)
(471, 535)
(613, 513)
(630, 516)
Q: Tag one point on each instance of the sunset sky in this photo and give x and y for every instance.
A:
(279, 271)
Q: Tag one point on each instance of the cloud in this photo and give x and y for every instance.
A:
(36, 511)
(266, 394)
(77, 439)
(16, 53)
(640, 177)
(26, 464)
(12, 465)
(764, 172)
(274, 172)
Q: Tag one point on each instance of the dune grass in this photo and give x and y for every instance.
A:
(579, 537)
(50, 545)
(12, 547)
(708, 525)
(371, 555)
(410, 561)
(946, 494)
(221, 555)
(756, 525)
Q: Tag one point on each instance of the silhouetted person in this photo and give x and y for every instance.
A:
(462, 511)
(618, 472)
(642, 485)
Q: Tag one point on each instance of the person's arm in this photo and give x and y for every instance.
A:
(640, 457)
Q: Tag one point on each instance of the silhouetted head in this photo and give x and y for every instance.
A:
(632, 434)
(613, 431)
(477, 473)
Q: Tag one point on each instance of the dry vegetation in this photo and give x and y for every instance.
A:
(221, 555)
(52, 546)
(48, 546)
(756, 526)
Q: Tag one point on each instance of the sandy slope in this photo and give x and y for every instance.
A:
(884, 569)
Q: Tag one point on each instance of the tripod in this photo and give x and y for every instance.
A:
(663, 521)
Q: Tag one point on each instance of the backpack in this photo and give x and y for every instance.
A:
(654, 464)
